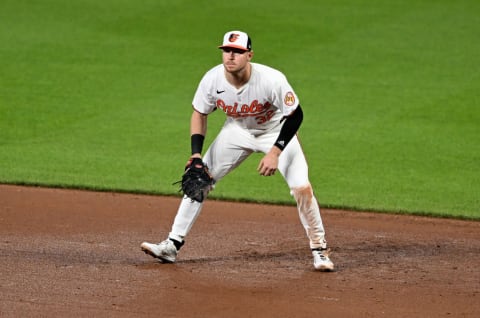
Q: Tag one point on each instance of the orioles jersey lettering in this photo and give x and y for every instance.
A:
(255, 108)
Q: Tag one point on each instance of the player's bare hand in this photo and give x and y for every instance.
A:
(196, 155)
(269, 163)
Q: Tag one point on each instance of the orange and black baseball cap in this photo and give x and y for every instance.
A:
(237, 40)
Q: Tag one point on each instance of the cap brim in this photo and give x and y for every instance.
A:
(233, 47)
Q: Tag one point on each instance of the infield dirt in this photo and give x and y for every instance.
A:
(70, 253)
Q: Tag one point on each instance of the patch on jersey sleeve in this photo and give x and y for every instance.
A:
(289, 99)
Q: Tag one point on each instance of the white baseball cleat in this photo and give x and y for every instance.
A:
(165, 251)
(321, 261)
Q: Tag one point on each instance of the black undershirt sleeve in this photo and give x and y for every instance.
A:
(289, 128)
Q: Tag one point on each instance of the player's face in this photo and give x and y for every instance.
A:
(235, 60)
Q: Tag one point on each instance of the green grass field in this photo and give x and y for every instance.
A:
(97, 94)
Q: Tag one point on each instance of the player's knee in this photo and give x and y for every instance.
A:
(303, 195)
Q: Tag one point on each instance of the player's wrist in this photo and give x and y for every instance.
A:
(197, 143)
(275, 150)
(279, 146)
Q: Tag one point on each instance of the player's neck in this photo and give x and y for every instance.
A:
(239, 78)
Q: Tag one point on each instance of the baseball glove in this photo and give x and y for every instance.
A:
(196, 180)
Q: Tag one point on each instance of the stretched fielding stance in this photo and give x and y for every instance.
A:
(263, 115)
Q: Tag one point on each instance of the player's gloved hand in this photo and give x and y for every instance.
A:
(196, 181)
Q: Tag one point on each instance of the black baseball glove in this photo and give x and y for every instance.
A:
(196, 181)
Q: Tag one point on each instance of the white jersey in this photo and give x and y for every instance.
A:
(258, 106)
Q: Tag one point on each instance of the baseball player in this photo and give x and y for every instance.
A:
(263, 115)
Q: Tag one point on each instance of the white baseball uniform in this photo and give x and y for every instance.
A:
(254, 119)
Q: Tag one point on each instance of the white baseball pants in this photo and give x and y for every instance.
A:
(231, 147)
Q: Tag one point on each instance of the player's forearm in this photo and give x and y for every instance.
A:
(289, 128)
(198, 130)
(198, 123)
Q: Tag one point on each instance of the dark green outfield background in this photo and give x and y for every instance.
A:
(96, 94)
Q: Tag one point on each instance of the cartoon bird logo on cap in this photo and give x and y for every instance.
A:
(233, 37)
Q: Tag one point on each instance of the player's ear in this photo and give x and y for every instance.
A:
(250, 55)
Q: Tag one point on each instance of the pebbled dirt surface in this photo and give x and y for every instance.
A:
(69, 253)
